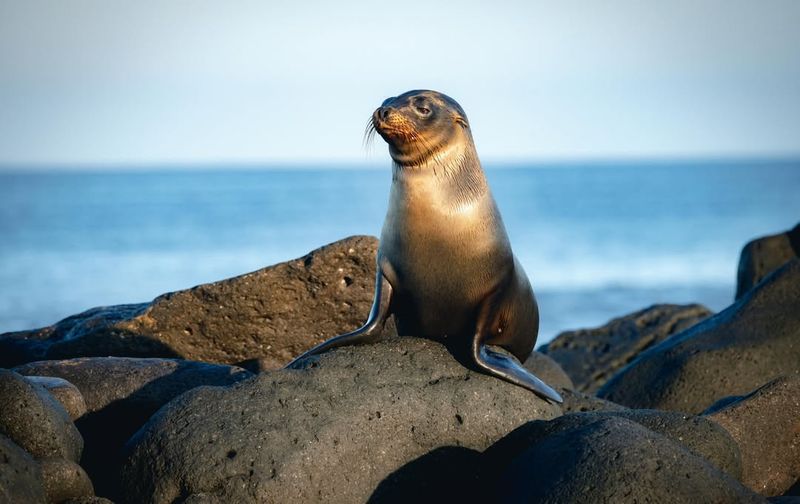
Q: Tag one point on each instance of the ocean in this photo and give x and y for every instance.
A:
(598, 240)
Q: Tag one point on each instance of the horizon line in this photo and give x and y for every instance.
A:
(360, 164)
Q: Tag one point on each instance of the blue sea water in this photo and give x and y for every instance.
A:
(597, 239)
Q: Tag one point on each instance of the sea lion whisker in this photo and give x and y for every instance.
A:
(369, 136)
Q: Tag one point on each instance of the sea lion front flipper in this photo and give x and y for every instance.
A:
(509, 369)
(368, 333)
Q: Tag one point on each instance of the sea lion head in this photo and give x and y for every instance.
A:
(419, 125)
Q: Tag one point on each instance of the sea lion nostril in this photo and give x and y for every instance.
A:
(383, 112)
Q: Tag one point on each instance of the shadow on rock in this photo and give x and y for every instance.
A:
(445, 474)
(19, 348)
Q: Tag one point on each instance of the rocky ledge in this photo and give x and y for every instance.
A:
(183, 400)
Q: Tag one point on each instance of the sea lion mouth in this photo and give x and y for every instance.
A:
(392, 127)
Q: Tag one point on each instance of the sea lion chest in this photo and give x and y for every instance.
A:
(442, 251)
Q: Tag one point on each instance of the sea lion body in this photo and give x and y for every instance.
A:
(445, 266)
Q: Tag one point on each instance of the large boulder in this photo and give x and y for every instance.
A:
(748, 344)
(613, 460)
(697, 434)
(591, 356)
(331, 432)
(271, 314)
(36, 421)
(64, 479)
(20, 475)
(764, 255)
(121, 394)
(766, 425)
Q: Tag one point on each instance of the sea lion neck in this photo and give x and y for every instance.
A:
(453, 177)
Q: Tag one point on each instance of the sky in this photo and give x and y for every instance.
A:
(107, 82)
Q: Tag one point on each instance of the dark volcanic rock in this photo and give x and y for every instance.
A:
(20, 475)
(331, 432)
(548, 370)
(697, 434)
(766, 425)
(591, 356)
(66, 393)
(753, 341)
(88, 500)
(578, 402)
(614, 460)
(121, 394)
(36, 421)
(64, 480)
(764, 255)
(274, 314)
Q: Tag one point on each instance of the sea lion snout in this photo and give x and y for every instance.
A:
(382, 113)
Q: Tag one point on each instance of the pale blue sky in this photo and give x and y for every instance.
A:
(147, 82)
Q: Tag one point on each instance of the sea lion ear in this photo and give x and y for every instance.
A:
(462, 121)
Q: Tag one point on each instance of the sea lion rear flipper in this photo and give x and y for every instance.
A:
(509, 369)
(370, 332)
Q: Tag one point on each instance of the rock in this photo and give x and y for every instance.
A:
(748, 344)
(274, 313)
(66, 393)
(764, 255)
(64, 480)
(548, 370)
(614, 460)
(35, 421)
(591, 356)
(20, 475)
(697, 434)
(88, 500)
(766, 425)
(340, 426)
(121, 394)
(578, 402)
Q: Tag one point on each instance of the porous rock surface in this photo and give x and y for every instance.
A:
(753, 341)
(331, 432)
(591, 356)
(20, 475)
(88, 500)
(36, 421)
(121, 394)
(273, 314)
(614, 460)
(64, 479)
(66, 393)
(578, 402)
(766, 426)
(762, 256)
(697, 434)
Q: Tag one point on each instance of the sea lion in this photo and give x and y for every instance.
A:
(445, 266)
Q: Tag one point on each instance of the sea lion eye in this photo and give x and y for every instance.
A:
(423, 110)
